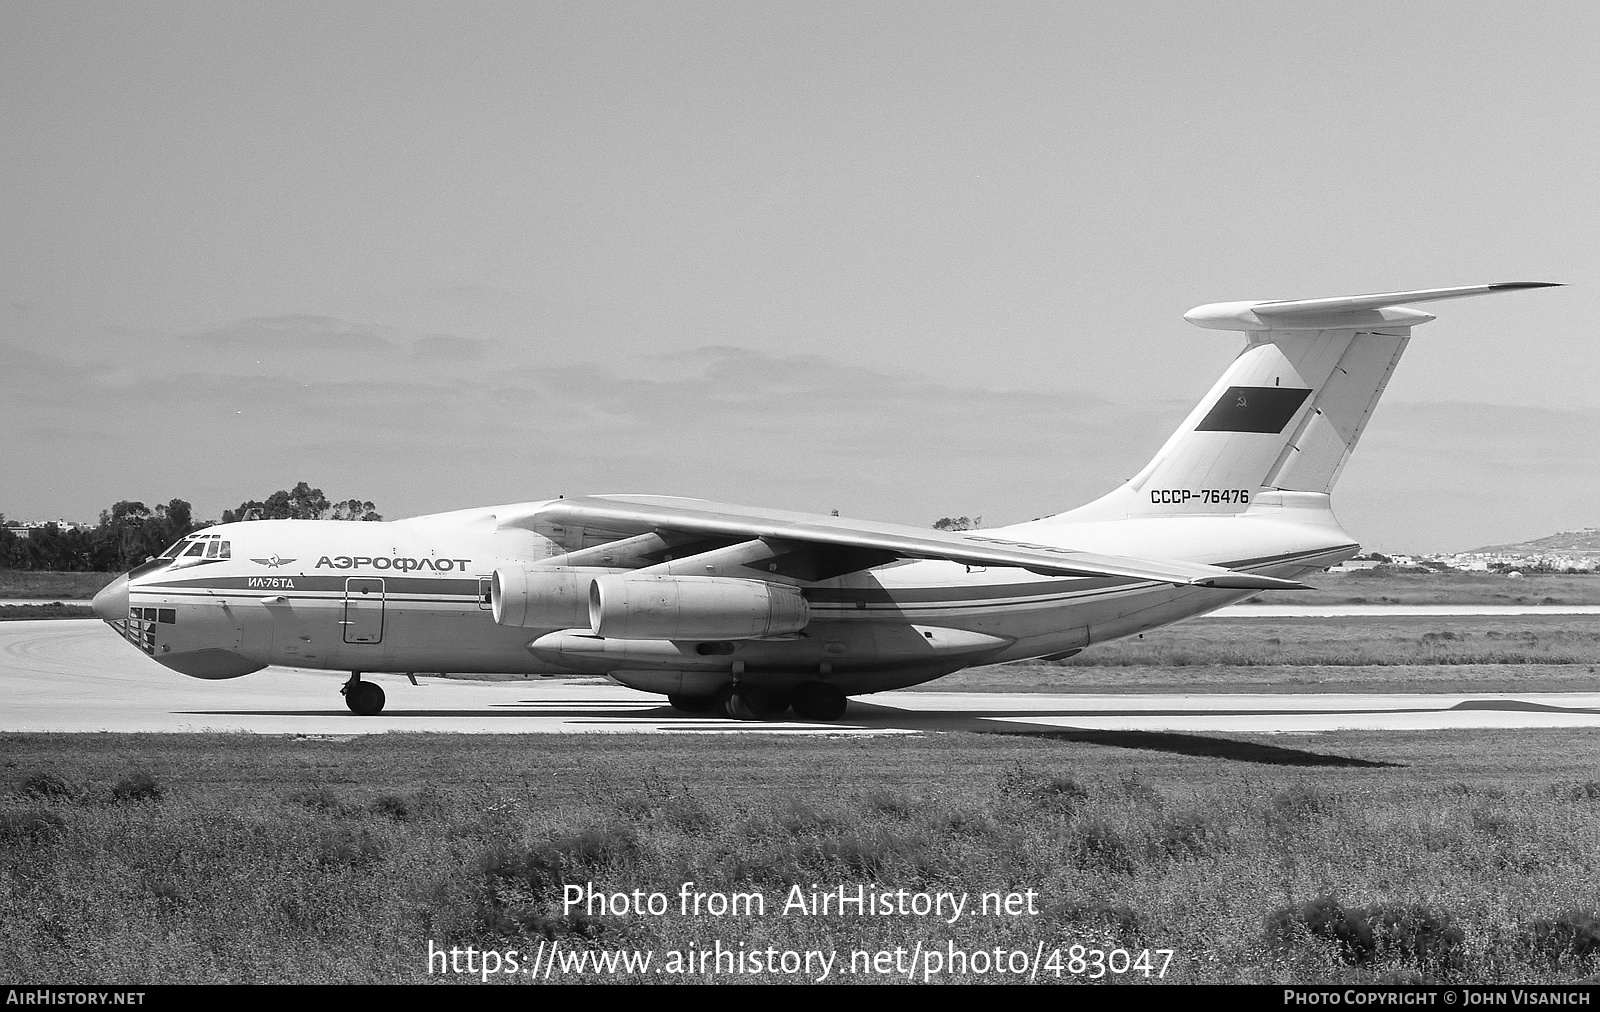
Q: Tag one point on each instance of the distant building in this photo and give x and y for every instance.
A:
(25, 528)
(1355, 565)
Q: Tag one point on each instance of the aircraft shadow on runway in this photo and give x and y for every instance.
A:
(1202, 746)
(1177, 743)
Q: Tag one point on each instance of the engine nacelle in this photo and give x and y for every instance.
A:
(694, 608)
(541, 598)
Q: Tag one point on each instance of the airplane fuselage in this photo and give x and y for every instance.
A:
(415, 596)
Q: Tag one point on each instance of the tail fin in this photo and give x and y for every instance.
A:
(1289, 410)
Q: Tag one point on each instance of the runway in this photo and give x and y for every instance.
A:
(76, 675)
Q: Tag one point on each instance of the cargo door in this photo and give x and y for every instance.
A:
(363, 610)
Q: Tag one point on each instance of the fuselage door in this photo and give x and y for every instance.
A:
(363, 610)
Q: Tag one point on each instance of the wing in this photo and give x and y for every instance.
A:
(690, 519)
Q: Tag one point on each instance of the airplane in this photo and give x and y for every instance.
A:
(751, 613)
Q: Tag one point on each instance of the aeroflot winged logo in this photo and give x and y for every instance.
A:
(272, 563)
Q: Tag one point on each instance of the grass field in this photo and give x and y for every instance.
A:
(1373, 586)
(28, 585)
(25, 612)
(1511, 653)
(1342, 857)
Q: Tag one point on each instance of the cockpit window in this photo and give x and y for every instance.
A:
(195, 548)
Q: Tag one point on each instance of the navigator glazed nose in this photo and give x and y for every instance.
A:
(111, 603)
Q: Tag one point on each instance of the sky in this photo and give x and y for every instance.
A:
(903, 261)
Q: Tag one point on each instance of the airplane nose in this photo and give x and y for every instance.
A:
(111, 603)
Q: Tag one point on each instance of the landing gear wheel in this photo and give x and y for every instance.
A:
(692, 704)
(819, 701)
(752, 703)
(364, 698)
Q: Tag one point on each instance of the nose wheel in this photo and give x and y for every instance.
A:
(364, 698)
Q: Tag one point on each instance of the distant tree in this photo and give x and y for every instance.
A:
(180, 519)
(355, 509)
(124, 538)
(302, 503)
(128, 533)
(958, 523)
(131, 532)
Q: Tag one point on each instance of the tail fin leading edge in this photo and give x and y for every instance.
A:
(1289, 410)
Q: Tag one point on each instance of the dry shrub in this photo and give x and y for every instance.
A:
(796, 817)
(876, 854)
(894, 804)
(1365, 934)
(1571, 933)
(1417, 932)
(678, 809)
(347, 846)
(48, 786)
(588, 850)
(1493, 823)
(518, 889)
(965, 823)
(136, 786)
(1097, 843)
(1137, 789)
(30, 826)
(1191, 835)
(1121, 920)
(168, 897)
(1301, 802)
(392, 806)
(1587, 791)
(1051, 792)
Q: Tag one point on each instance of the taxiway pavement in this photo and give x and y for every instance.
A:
(77, 675)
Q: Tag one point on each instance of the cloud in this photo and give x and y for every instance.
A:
(447, 348)
(295, 333)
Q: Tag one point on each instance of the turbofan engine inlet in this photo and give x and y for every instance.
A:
(541, 598)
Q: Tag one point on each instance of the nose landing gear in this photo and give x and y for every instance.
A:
(364, 698)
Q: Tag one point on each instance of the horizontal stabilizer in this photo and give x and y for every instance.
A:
(1348, 311)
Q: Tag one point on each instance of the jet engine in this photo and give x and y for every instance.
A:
(541, 598)
(694, 608)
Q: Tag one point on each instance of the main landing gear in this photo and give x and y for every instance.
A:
(364, 698)
(818, 701)
(811, 701)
